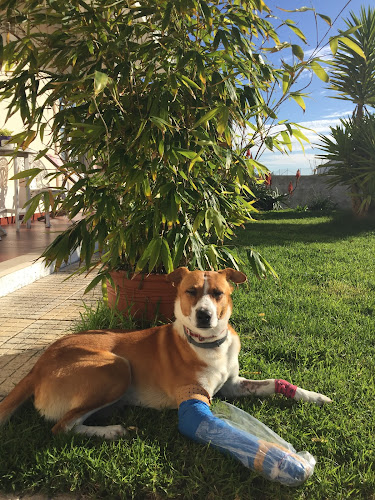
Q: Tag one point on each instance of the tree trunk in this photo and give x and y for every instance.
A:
(356, 200)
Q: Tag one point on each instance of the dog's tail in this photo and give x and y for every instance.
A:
(23, 390)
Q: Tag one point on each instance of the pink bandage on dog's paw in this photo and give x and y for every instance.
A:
(285, 388)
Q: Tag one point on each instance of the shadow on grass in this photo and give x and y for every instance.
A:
(154, 459)
(280, 228)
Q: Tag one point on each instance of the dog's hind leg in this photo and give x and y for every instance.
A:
(81, 390)
(72, 421)
(16, 397)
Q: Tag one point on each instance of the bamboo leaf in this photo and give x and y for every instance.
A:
(297, 133)
(301, 9)
(298, 52)
(333, 43)
(196, 158)
(198, 220)
(145, 256)
(208, 217)
(218, 221)
(29, 139)
(285, 82)
(207, 117)
(188, 154)
(299, 100)
(211, 256)
(31, 173)
(206, 12)
(160, 122)
(155, 253)
(167, 16)
(325, 18)
(319, 71)
(100, 82)
(187, 81)
(259, 265)
(298, 32)
(223, 120)
(147, 188)
(286, 139)
(99, 278)
(166, 256)
(179, 251)
(33, 205)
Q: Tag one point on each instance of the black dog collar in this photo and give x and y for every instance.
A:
(205, 345)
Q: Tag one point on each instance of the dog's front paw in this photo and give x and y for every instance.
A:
(313, 397)
(114, 431)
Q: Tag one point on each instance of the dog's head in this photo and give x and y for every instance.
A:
(203, 301)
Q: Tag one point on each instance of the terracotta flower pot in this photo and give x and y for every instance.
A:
(144, 297)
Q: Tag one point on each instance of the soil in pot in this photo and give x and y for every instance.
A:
(142, 296)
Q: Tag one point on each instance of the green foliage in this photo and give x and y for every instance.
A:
(268, 198)
(5, 132)
(322, 204)
(350, 151)
(152, 97)
(102, 316)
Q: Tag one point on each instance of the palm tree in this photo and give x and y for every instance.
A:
(350, 151)
(353, 76)
(351, 148)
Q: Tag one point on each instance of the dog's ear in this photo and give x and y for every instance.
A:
(176, 276)
(233, 275)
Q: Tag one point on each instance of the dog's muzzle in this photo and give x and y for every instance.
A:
(203, 318)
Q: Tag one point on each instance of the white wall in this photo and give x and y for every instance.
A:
(311, 188)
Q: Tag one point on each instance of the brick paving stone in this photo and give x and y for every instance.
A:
(34, 316)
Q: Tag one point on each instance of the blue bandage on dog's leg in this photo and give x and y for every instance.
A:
(272, 461)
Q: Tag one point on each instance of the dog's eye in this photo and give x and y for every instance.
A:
(217, 294)
(191, 291)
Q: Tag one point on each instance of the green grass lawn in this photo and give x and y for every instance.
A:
(315, 327)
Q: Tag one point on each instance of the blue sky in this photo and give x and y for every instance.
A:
(321, 110)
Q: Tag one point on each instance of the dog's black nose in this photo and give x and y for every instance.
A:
(203, 318)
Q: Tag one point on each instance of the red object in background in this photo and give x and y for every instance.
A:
(290, 188)
(298, 175)
(248, 154)
(268, 179)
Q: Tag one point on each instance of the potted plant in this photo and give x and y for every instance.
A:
(153, 97)
(5, 135)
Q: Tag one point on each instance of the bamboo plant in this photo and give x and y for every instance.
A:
(158, 105)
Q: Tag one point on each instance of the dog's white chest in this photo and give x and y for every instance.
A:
(221, 364)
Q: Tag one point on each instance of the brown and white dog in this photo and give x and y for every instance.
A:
(195, 357)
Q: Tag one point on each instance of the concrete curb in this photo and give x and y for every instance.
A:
(21, 271)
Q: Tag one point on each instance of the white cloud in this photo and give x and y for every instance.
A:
(340, 114)
(289, 164)
(324, 53)
(306, 160)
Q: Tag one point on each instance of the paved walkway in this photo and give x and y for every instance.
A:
(34, 316)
